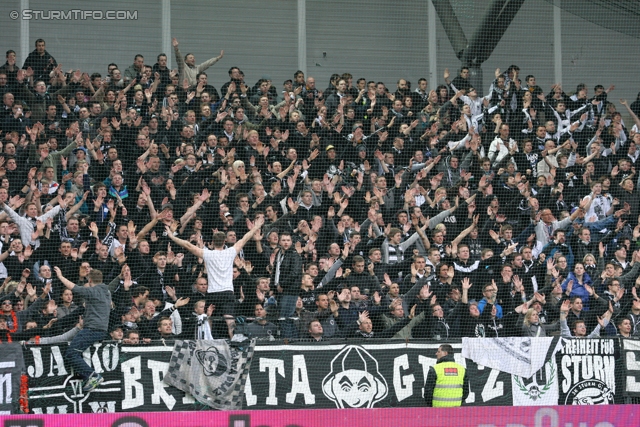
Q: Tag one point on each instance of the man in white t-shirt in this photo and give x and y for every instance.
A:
(219, 265)
(599, 206)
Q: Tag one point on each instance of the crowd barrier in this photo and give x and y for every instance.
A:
(37, 379)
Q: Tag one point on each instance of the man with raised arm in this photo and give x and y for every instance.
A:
(187, 67)
(27, 224)
(96, 322)
(219, 265)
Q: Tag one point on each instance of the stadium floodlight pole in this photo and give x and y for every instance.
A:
(451, 26)
(473, 53)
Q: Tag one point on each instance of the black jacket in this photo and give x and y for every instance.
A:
(290, 272)
(41, 65)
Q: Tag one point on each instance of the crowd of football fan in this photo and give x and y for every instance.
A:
(406, 213)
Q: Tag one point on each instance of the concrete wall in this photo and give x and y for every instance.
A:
(91, 44)
(382, 42)
(377, 40)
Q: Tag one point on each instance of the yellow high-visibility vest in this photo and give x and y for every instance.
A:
(449, 381)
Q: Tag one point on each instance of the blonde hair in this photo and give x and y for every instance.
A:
(237, 165)
(527, 316)
(11, 287)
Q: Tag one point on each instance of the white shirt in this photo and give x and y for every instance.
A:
(3, 269)
(114, 245)
(499, 149)
(598, 209)
(219, 265)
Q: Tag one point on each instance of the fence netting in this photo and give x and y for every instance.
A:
(350, 218)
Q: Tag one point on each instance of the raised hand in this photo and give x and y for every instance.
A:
(604, 320)
(387, 279)
(344, 203)
(93, 227)
(248, 267)
(425, 293)
(345, 250)
(589, 289)
(451, 272)
(569, 287)
(182, 302)
(293, 206)
(412, 312)
(31, 290)
(517, 282)
(28, 250)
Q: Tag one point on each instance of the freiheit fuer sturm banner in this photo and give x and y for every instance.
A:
(588, 372)
(371, 374)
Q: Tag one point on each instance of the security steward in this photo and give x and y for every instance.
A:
(447, 384)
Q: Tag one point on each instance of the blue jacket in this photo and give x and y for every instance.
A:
(578, 290)
(482, 304)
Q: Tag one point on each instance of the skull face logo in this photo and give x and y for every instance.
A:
(354, 380)
(213, 363)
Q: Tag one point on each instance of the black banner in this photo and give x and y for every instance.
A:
(282, 376)
(587, 372)
(364, 375)
(330, 375)
(133, 380)
(631, 357)
(11, 368)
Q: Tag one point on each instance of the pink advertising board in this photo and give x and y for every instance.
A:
(556, 416)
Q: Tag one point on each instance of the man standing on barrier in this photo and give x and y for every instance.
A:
(96, 322)
(447, 383)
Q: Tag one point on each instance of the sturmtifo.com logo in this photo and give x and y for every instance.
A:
(74, 15)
